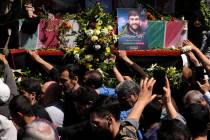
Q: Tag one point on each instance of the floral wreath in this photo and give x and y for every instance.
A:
(95, 38)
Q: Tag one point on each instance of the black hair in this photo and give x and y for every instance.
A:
(20, 104)
(197, 117)
(172, 130)
(107, 105)
(31, 85)
(93, 78)
(133, 12)
(75, 71)
(85, 95)
(151, 113)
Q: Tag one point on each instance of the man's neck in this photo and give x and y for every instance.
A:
(76, 87)
(116, 127)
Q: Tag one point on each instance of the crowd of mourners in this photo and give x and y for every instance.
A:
(75, 104)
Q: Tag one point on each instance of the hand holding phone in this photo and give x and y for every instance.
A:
(159, 76)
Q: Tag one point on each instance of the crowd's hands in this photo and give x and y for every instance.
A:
(3, 59)
(123, 55)
(30, 10)
(204, 87)
(167, 92)
(145, 97)
(193, 58)
(34, 55)
(189, 43)
(146, 88)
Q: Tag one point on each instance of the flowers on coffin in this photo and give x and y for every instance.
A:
(70, 36)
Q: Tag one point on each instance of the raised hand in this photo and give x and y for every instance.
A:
(204, 87)
(167, 92)
(146, 87)
(30, 10)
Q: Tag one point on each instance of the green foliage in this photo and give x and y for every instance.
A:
(174, 75)
(205, 11)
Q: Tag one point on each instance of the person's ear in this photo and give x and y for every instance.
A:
(89, 104)
(33, 95)
(20, 114)
(109, 119)
(76, 78)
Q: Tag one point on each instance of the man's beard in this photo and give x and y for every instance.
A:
(134, 30)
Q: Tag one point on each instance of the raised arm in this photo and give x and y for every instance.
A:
(47, 66)
(203, 59)
(117, 74)
(128, 61)
(8, 77)
(193, 58)
(172, 113)
(145, 97)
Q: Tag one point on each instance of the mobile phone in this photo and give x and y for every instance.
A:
(199, 74)
(159, 76)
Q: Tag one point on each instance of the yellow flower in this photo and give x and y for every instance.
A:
(109, 27)
(94, 38)
(97, 31)
(100, 22)
(76, 50)
(89, 57)
(88, 66)
(108, 50)
(98, 27)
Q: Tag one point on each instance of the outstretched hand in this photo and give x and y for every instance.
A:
(167, 92)
(3, 59)
(146, 87)
(34, 55)
(188, 42)
(204, 87)
(122, 54)
(30, 10)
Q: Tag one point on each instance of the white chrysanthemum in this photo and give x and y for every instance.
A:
(76, 56)
(89, 32)
(104, 31)
(97, 47)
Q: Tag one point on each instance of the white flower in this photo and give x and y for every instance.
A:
(76, 56)
(89, 57)
(106, 61)
(97, 47)
(89, 32)
(94, 38)
(104, 31)
(186, 48)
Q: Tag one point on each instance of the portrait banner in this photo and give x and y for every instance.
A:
(132, 28)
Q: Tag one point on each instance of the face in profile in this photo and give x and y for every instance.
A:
(100, 125)
(134, 22)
